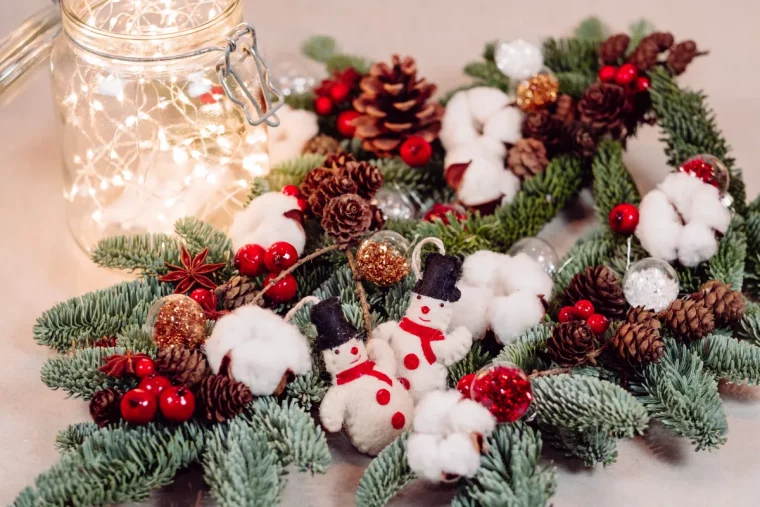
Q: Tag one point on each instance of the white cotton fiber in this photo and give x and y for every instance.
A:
(509, 184)
(510, 316)
(431, 412)
(471, 417)
(521, 273)
(471, 311)
(659, 226)
(697, 244)
(707, 209)
(480, 269)
(457, 455)
(506, 125)
(422, 456)
(680, 188)
(484, 102)
(457, 127)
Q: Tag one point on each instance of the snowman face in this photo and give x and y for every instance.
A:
(429, 312)
(348, 355)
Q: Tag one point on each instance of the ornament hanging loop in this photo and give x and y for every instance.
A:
(305, 301)
(417, 253)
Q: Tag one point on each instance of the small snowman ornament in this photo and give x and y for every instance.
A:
(365, 396)
(422, 342)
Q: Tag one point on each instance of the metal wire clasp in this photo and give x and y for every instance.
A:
(266, 114)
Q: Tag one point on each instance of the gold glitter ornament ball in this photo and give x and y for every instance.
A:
(177, 320)
(537, 92)
(383, 258)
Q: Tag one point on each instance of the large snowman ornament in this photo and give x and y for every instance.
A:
(422, 342)
(365, 398)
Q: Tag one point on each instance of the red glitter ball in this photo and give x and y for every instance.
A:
(411, 361)
(398, 420)
(701, 169)
(504, 390)
(383, 397)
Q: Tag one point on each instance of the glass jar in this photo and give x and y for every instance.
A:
(162, 109)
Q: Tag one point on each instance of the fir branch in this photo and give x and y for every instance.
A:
(77, 373)
(591, 250)
(752, 266)
(319, 47)
(82, 320)
(749, 328)
(144, 253)
(199, 235)
(730, 359)
(613, 184)
(426, 182)
(476, 358)
(307, 390)
(591, 29)
(582, 403)
(289, 172)
(638, 30)
(72, 438)
(385, 476)
(461, 238)
(137, 339)
(574, 83)
(340, 62)
(679, 392)
(524, 350)
(488, 74)
(397, 299)
(593, 446)
(509, 474)
(571, 55)
(727, 265)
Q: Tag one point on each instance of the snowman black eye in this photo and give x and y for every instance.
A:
(337, 351)
(419, 297)
(441, 305)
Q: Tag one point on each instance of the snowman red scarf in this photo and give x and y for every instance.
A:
(360, 370)
(427, 335)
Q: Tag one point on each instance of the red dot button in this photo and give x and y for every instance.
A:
(398, 420)
(411, 361)
(383, 397)
(405, 383)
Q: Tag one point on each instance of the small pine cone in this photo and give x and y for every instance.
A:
(543, 126)
(222, 398)
(378, 218)
(637, 344)
(336, 185)
(322, 144)
(238, 291)
(573, 344)
(565, 109)
(367, 177)
(347, 218)
(580, 139)
(313, 179)
(727, 305)
(602, 107)
(599, 285)
(688, 319)
(182, 366)
(612, 50)
(338, 161)
(681, 56)
(527, 158)
(104, 407)
(640, 315)
(646, 54)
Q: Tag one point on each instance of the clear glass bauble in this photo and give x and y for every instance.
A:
(709, 169)
(177, 320)
(505, 390)
(395, 204)
(383, 258)
(651, 283)
(540, 251)
(518, 59)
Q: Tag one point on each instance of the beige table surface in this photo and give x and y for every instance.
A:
(41, 265)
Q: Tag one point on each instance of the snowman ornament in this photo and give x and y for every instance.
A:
(365, 396)
(422, 342)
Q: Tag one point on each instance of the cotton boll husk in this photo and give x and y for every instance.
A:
(422, 456)
(680, 189)
(484, 102)
(431, 412)
(707, 209)
(512, 315)
(697, 244)
(471, 417)
(457, 455)
(297, 126)
(521, 273)
(479, 269)
(659, 226)
(471, 311)
(505, 125)
(457, 127)
(509, 184)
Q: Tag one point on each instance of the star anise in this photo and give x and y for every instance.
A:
(118, 365)
(192, 272)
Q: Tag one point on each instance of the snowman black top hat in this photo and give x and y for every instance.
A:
(440, 278)
(333, 330)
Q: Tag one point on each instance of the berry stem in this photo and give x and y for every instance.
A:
(361, 293)
(553, 371)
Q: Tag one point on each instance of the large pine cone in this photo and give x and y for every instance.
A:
(182, 366)
(222, 398)
(580, 139)
(527, 158)
(238, 291)
(322, 144)
(378, 218)
(394, 105)
(565, 109)
(347, 218)
(599, 285)
(688, 319)
(104, 407)
(637, 344)
(337, 184)
(640, 315)
(602, 107)
(367, 177)
(543, 126)
(612, 50)
(646, 54)
(681, 56)
(573, 344)
(313, 179)
(727, 305)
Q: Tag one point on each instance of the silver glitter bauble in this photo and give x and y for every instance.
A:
(538, 250)
(395, 204)
(651, 283)
(518, 60)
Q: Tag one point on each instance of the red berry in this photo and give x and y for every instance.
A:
(302, 204)
(642, 84)
(440, 210)
(583, 309)
(283, 291)
(598, 323)
(280, 256)
(249, 260)
(154, 384)
(205, 298)
(504, 390)
(415, 151)
(145, 367)
(626, 74)
(624, 218)
(465, 384)
(177, 404)
(339, 92)
(291, 190)
(138, 406)
(323, 105)
(566, 314)
(607, 73)
(346, 125)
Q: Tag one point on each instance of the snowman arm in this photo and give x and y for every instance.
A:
(384, 331)
(333, 409)
(454, 347)
(382, 354)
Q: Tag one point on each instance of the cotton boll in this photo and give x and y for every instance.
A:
(277, 229)
(680, 189)
(509, 184)
(505, 125)
(431, 412)
(479, 269)
(457, 455)
(267, 212)
(471, 417)
(484, 102)
(512, 315)
(481, 183)
(297, 126)
(422, 456)
(659, 226)
(696, 244)
(521, 273)
(457, 127)
(471, 311)
(707, 209)
(230, 331)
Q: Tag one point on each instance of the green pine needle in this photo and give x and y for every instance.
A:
(319, 48)
(571, 55)
(199, 235)
(730, 359)
(144, 253)
(307, 390)
(476, 358)
(613, 184)
(727, 265)
(593, 446)
(488, 74)
(385, 476)
(72, 438)
(77, 374)
(591, 29)
(524, 350)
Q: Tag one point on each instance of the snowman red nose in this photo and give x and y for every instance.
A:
(354, 350)
(425, 310)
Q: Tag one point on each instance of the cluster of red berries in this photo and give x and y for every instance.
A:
(156, 392)
(627, 76)
(335, 95)
(584, 310)
(253, 260)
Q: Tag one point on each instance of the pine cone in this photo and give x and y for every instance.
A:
(347, 218)
(322, 144)
(573, 344)
(646, 54)
(313, 179)
(681, 56)
(637, 344)
(527, 158)
(334, 186)
(599, 285)
(378, 218)
(395, 104)
(543, 126)
(221, 398)
(580, 139)
(104, 407)
(602, 107)
(727, 305)
(688, 319)
(367, 177)
(182, 366)
(640, 315)
(565, 109)
(612, 50)
(238, 291)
